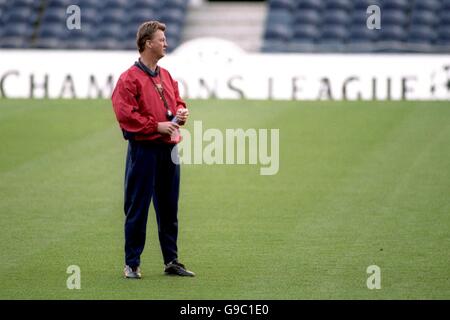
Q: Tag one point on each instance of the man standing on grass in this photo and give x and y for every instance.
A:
(149, 110)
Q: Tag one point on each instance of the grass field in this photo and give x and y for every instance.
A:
(360, 184)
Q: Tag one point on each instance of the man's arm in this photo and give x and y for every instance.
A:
(126, 109)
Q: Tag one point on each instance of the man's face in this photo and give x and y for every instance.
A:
(158, 44)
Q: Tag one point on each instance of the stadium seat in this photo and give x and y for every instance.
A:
(395, 4)
(54, 14)
(444, 34)
(279, 32)
(175, 4)
(422, 34)
(113, 15)
(114, 4)
(423, 17)
(13, 42)
(282, 4)
(310, 4)
(360, 34)
(393, 32)
(332, 38)
(173, 35)
(169, 16)
(137, 17)
(144, 4)
(444, 18)
(306, 32)
(335, 17)
(51, 30)
(334, 32)
(19, 14)
(307, 16)
(362, 5)
(59, 3)
(279, 16)
(17, 29)
(337, 5)
(445, 5)
(110, 30)
(394, 17)
(301, 45)
(431, 5)
(274, 46)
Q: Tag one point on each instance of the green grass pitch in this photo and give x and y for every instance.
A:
(359, 184)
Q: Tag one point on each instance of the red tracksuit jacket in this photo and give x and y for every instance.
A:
(139, 107)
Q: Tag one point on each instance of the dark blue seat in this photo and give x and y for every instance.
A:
(137, 17)
(112, 15)
(445, 5)
(173, 35)
(306, 32)
(59, 3)
(54, 14)
(301, 45)
(89, 15)
(112, 30)
(114, 4)
(424, 17)
(431, 5)
(51, 30)
(145, 4)
(172, 15)
(282, 4)
(358, 18)
(278, 32)
(394, 17)
(336, 17)
(175, 4)
(274, 46)
(89, 4)
(279, 16)
(19, 14)
(444, 18)
(444, 33)
(32, 4)
(310, 4)
(338, 5)
(392, 33)
(395, 4)
(18, 29)
(362, 5)
(422, 34)
(14, 43)
(334, 32)
(362, 34)
(307, 16)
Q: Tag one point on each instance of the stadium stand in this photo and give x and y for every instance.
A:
(421, 26)
(340, 26)
(109, 24)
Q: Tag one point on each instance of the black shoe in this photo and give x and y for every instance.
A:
(176, 268)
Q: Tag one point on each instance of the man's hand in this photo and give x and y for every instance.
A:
(182, 115)
(167, 127)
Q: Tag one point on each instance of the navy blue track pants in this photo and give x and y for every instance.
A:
(150, 174)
